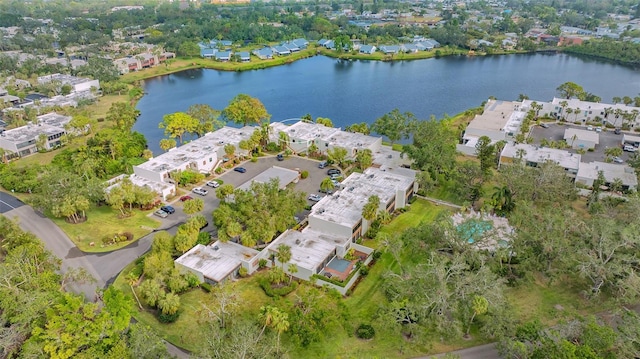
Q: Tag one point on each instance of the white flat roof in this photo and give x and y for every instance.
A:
(351, 140)
(591, 106)
(345, 206)
(309, 248)
(387, 158)
(197, 149)
(218, 260)
(564, 159)
(54, 119)
(630, 138)
(498, 115)
(309, 131)
(284, 176)
(611, 171)
(584, 135)
(30, 132)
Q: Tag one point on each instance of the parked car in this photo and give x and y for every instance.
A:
(335, 176)
(314, 197)
(185, 198)
(544, 125)
(168, 209)
(327, 191)
(280, 157)
(589, 128)
(618, 160)
(240, 169)
(617, 131)
(629, 148)
(160, 213)
(333, 171)
(598, 129)
(213, 184)
(322, 164)
(199, 190)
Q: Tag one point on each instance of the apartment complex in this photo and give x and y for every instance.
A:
(45, 134)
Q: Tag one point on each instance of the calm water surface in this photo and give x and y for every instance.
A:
(361, 91)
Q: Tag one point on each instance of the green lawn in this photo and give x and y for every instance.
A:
(420, 211)
(103, 221)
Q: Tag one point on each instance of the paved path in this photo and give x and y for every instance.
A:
(487, 351)
(438, 201)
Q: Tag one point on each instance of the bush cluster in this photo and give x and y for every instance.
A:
(276, 292)
(365, 331)
(206, 287)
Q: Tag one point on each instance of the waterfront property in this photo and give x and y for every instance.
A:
(141, 61)
(78, 84)
(303, 135)
(500, 121)
(575, 110)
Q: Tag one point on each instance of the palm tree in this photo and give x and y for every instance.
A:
(370, 209)
(283, 139)
(292, 269)
(502, 200)
(326, 185)
(563, 105)
(132, 279)
(569, 111)
(283, 254)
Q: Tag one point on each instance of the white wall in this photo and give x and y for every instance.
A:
(321, 225)
(148, 174)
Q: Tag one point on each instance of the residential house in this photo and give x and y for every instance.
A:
(291, 46)
(508, 44)
(264, 54)
(208, 53)
(285, 177)
(589, 172)
(581, 139)
(223, 56)
(390, 49)
(243, 56)
(301, 43)
(281, 50)
(127, 64)
(500, 121)
(575, 110)
(534, 156)
(367, 49)
(78, 84)
(409, 48)
(45, 134)
(218, 262)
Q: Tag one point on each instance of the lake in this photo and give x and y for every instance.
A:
(361, 91)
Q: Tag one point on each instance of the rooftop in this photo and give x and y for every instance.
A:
(351, 140)
(196, 149)
(345, 206)
(218, 260)
(65, 79)
(308, 131)
(54, 119)
(504, 116)
(309, 248)
(564, 159)
(30, 132)
(594, 106)
(591, 136)
(284, 176)
(610, 171)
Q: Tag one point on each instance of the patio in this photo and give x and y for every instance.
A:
(340, 268)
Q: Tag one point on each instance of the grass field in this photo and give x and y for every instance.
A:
(102, 222)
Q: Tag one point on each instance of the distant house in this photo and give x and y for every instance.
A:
(301, 43)
(329, 44)
(483, 43)
(508, 44)
(291, 46)
(367, 49)
(409, 48)
(208, 53)
(224, 43)
(264, 53)
(223, 55)
(281, 50)
(390, 49)
(243, 56)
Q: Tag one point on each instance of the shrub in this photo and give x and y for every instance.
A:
(276, 292)
(413, 199)
(364, 271)
(254, 158)
(377, 254)
(272, 147)
(204, 238)
(206, 287)
(168, 318)
(262, 263)
(219, 170)
(192, 280)
(304, 174)
(243, 272)
(365, 331)
(128, 236)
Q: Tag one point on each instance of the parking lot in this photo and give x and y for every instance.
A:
(555, 132)
(211, 202)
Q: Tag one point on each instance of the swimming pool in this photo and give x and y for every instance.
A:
(473, 228)
(338, 264)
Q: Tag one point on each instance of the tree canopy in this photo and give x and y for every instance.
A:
(245, 110)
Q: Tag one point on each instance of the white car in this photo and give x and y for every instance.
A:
(160, 213)
(213, 184)
(598, 129)
(589, 128)
(629, 148)
(618, 160)
(200, 191)
(314, 197)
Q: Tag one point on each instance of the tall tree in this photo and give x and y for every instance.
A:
(570, 90)
(324, 121)
(208, 117)
(193, 206)
(177, 124)
(370, 209)
(338, 155)
(123, 115)
(167, 143)
(245, 110)
(364, 158)
(395, 125)
(283, 254)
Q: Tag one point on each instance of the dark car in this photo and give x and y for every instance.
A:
(333, 171)
(240, 169)
(185, 198)
(168, 209)
(617, 131)
(280, 157)
(327, 191)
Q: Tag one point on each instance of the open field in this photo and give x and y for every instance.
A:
(102, 222)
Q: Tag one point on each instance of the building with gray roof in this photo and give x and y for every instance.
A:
(215, 263)
(589, 172)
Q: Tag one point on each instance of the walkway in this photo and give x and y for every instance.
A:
(439, 202)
